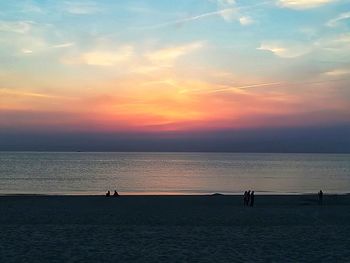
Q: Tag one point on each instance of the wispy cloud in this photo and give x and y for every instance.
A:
(226, 9)
(231, 11)
(20, 27)
(344, 38)
(338, 43)
(28, 37)
(26, 51)
(246, 20)
(63, 45)
(31, 8)
(21, 93)
(132, 60)
(338, 72)
(104, 58)
(335, 21)
(39, 45)
(82, 8)
(30, 44)
(168, 55)
(224, 2)
(303, 4)
(284, 50)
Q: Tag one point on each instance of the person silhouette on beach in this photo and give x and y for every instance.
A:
(252, 198)
(245, 198)
(320, 197)
(115, 193)
(248, 197)
(108, 194)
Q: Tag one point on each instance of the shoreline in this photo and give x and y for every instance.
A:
(128, 194)
(217, 200)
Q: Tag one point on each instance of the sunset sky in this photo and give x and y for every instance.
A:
(173, 67)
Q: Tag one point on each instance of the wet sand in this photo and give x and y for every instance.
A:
(283, 228)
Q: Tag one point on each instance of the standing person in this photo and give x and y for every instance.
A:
(248, 197)
(108, 194)
(320, 197)
(252, 198)
(245, 198)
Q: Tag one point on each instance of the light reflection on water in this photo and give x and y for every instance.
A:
(172, 173)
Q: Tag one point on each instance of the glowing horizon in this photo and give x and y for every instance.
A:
(155, 66)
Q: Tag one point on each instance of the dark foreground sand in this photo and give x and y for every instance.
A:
(174, 229)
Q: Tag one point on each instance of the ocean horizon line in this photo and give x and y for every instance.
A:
(185, 152)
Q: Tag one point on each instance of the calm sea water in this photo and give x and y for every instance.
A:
(172, 173)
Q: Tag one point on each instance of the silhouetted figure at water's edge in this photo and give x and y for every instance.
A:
(252, 197)
(108, 194)
(245, 198)
(320, 197)
(248, 198)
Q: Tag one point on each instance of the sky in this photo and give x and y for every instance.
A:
(206, 75)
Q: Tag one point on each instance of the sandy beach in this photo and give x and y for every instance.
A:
(174, 229)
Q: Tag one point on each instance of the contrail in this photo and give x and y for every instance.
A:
(25, 94)
(266, 84)
(246, 86)
(201, 16)
(188, 19)
(30, 94)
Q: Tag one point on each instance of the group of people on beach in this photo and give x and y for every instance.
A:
(108, 194)
(248, 198)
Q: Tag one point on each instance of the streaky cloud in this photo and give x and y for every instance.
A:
(335, 21)
(101, 57)
(20, 27)
(82, 8)
(338, 72)
(171, 53)
(63, 45)
(284, 50)
(4, 91)
(26, 51)
(303, 4)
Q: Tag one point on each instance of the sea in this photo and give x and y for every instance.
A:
(135, 173)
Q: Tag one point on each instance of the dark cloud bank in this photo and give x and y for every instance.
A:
(335, 139)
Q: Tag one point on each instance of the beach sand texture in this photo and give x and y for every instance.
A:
(174, 229)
